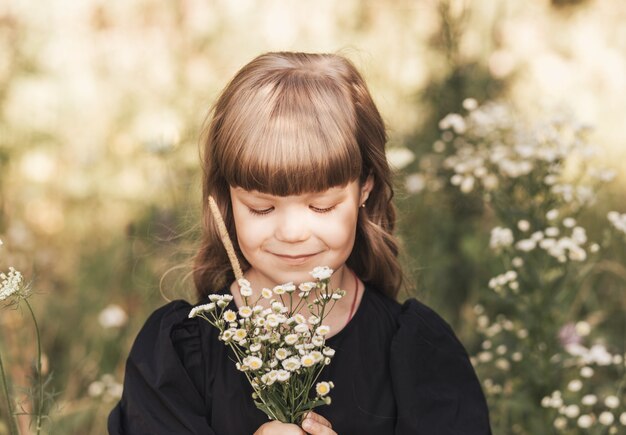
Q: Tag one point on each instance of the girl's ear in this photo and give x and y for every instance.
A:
(366, 188)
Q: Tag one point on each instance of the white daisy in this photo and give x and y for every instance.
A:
(307, 360)
(229, 316)
(321, 272)
(322, 330)
(245, 312)
(322, 388)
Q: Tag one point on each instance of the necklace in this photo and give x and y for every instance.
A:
(356, 292)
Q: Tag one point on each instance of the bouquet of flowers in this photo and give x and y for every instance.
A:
(281, 351)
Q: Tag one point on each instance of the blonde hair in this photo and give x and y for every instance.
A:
(291, 123)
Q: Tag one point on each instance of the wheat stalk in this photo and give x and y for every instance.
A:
(228, 244)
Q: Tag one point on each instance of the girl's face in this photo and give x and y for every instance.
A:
(285, 237)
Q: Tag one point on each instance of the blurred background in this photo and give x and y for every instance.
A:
(102, 105)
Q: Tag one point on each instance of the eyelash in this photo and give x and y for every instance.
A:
(267, 211)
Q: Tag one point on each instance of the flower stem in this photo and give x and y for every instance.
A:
(12, 426)
(39, 405)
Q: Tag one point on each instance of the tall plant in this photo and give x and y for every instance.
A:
(13, 293)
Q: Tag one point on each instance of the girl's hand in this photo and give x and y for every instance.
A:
(315, 424)
(278, 428)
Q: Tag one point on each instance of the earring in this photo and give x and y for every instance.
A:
(362, 205)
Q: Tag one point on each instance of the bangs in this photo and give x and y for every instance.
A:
(292, 135)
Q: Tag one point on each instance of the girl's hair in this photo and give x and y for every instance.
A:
(291, 123)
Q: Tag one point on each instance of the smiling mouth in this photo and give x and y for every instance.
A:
(295, 260)
(295, 257)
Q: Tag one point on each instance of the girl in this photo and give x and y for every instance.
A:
(295, 158)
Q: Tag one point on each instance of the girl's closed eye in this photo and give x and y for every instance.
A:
(322, 209)
(259, 212)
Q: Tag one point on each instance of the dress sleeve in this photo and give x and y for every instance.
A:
(435, 385)
(164, 385)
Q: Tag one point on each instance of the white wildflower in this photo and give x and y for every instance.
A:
(618, 220)
(599, 355)
(307, 360)
(585, 421)
(289, 287)
(415, 183)
(282, 353)
(526, 245)
(272, 321)
(575, 385)
(114, 316)
(467, 185)
(453, 121)
(322, 330)
(470, 104)
(560, 423)
(606, 418)
(10, 283)
(323, 388)
(253, 362)
(569, 222)
(306, 287)
(268, 379)
(583, 328)
(96, 389)
(317, 356)
(328, 351)
(245, 311)
(240, 334)
(317, 341)
(611, 402)
(552, 231)
(523, 225)
(267, 293)
(586, 372)
(552, 214)
(322, 272)
(292, 364)
(589, 400)
(277, 307)
(282, 375)
(291, 339)
(279, 290)
(229, 316)
(500, 237)
(301, 328)
(399, 157)
(243, 282)
(572, 411)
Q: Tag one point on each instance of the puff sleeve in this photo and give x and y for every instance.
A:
(164, 385)
(434, 383)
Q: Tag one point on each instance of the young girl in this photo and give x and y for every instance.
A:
(295, 158)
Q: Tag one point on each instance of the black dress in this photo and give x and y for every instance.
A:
(398, 369)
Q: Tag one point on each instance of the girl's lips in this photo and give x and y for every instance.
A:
(295, 259)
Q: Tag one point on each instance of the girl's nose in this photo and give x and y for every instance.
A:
(292, 228)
